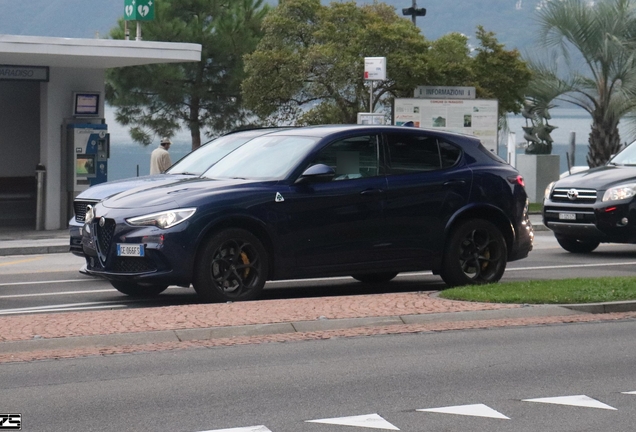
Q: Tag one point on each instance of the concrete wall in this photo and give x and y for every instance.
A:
(538, 172)
(19, 128)
(56, 105)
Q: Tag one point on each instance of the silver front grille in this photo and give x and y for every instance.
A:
(574, 195)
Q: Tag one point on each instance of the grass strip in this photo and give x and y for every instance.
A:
(565, 291)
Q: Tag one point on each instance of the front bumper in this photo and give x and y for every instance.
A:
(606, 222)
(167, 254)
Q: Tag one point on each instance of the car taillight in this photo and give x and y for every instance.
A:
(517, 180)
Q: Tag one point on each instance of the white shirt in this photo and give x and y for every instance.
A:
(159, 160)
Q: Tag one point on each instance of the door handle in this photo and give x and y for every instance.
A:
(371, 192)
(454, 183)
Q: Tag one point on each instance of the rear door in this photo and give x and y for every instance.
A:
(427, 181)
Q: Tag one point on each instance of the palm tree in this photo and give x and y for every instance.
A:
(591, 64)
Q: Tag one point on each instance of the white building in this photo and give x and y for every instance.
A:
(38, 77)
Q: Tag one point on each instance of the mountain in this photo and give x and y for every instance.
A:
(511, 20)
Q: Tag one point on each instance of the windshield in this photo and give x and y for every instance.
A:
(626, 157)
(205, 156)
(263, 158)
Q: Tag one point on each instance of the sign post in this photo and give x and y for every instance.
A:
(374, 70)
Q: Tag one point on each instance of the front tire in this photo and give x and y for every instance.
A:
(232, 266)
(577, 246)
(476, 253)
(134, 289)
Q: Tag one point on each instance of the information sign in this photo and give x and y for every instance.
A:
(477, 117)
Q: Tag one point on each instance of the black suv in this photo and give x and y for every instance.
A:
(364, 201)
(594, 206)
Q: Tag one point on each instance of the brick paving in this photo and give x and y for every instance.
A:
(77, 324)
(26, 327)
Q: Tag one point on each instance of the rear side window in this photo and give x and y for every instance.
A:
(417, 153)
(491, 155)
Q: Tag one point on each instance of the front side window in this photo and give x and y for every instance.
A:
(409, 153)
(351, 158)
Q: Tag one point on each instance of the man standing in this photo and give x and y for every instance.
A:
(160, 158)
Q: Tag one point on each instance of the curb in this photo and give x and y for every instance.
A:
(601, 308)
(34, 250)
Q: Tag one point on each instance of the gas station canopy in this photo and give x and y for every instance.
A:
(92, 53)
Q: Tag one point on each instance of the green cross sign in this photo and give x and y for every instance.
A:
(139, 10)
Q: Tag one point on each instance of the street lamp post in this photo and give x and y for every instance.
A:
(414, 11)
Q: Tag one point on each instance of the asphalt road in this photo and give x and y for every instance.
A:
(52, 283)
(378, 381)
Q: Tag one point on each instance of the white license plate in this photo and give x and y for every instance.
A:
(134, 250)
(567, 216)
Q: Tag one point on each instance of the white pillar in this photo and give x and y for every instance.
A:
(512, 149)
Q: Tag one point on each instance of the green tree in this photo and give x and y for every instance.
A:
(500, 74)
(308, 68)
(590, 64)
(496, 73)
(160, 99)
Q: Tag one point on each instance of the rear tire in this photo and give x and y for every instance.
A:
(577, 246)
(375, 278)
(135, 289)
(232, 266)
(476, 253)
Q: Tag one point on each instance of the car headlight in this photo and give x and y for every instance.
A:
(165, 219)
(620, 192)
(90, 214)
(548, 190)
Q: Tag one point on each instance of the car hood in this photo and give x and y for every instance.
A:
(106, 190)
(185, 192)
(599, 178)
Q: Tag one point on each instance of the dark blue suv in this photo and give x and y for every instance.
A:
(365, 201)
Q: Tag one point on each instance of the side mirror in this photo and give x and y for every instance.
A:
(316, 174)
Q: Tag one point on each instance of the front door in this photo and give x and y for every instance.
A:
(336, 224)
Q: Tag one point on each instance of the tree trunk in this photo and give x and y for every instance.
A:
(195, 127)
(604, 140)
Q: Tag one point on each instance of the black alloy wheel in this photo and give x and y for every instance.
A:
(577, 246)
(375, 278)
(475, 254)
(232, 266)
(135, 289)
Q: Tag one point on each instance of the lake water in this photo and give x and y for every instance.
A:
(129, 159)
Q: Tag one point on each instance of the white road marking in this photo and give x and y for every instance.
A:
(373, 421)
(260, 428)
(44, 282)
(476, 410)
(62, 307)
(55, 293)
(630, 392)
(631, 263)
(576, 400)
